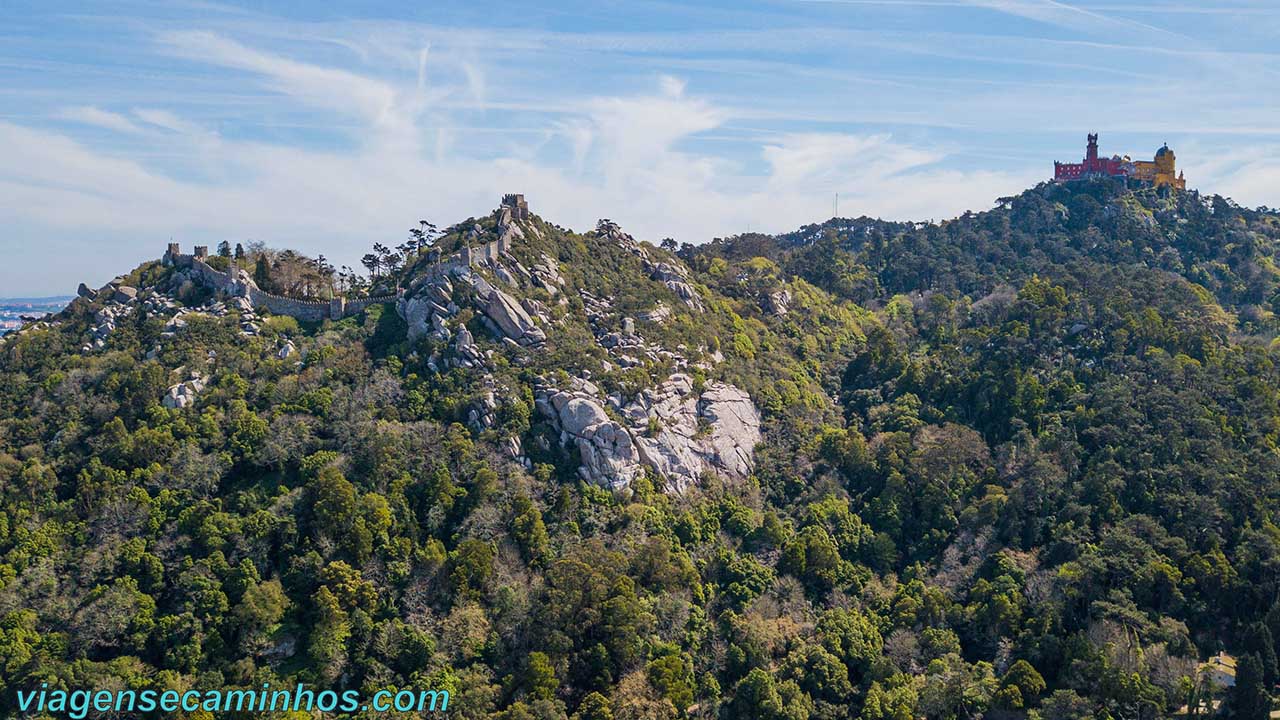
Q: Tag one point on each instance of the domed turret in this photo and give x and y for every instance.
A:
(1166, 169)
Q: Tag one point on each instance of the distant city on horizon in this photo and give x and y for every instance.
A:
(14, 310)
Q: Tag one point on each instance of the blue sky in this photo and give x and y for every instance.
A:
(327, 129)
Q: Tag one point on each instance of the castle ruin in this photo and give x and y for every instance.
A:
(516, 204)
(237, 282)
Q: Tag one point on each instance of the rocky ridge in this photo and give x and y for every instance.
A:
(675, 431)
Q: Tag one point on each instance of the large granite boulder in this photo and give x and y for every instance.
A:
(512, 319)
(125, 294)
(417, 315)
(605, 448)
(668, 422)
(184, 393)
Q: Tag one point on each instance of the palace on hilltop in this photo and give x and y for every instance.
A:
(1160, 172)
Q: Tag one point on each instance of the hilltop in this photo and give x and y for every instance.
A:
(1020, 461)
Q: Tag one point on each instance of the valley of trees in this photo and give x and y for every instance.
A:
(1021, 464)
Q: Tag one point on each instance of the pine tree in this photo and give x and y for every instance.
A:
(1272, 619)
(1259, 641)
(262, 272)
(1249, 699)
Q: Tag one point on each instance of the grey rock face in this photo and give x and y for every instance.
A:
(512, 320)
(680, 450)
(417, 315)
(466, 353)
(778, 302)
(676, 279)
(464, 342)
(735, 428)
(608, 456)
(659, 314)
(669, 429)
(546, 275)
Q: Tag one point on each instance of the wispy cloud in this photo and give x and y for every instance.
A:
(322, 87)
(1069, 16)
(168, 121)
(98, 117)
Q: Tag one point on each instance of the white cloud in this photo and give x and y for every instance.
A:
(167, 121)
(1248, 175)
(634, 139)
(321, 87)
(813, 161)
(100, 118)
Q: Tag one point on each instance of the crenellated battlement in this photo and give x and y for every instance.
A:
(515, 202)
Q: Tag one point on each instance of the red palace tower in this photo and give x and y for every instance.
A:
(1093, 165)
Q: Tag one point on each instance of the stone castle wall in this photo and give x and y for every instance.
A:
(213, 277)
(305, 310)
(461, 260)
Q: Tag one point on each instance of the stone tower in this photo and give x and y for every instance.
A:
(516, 203)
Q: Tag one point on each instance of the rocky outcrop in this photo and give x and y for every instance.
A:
(682, 435)
(427, 312)
(658, 315)
(673, 431)
(676, 278)
(673, 275)
(482, 415)
(432, 306)
(466, 354)
(512, 319)
(104, 323)
(184, 393)
(419, 314)
(735, 428)
(120, 302)
(778, 302)
(628, 349)
(546, 275)
(609, 457)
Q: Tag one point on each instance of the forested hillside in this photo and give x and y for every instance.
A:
(1018, 464)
